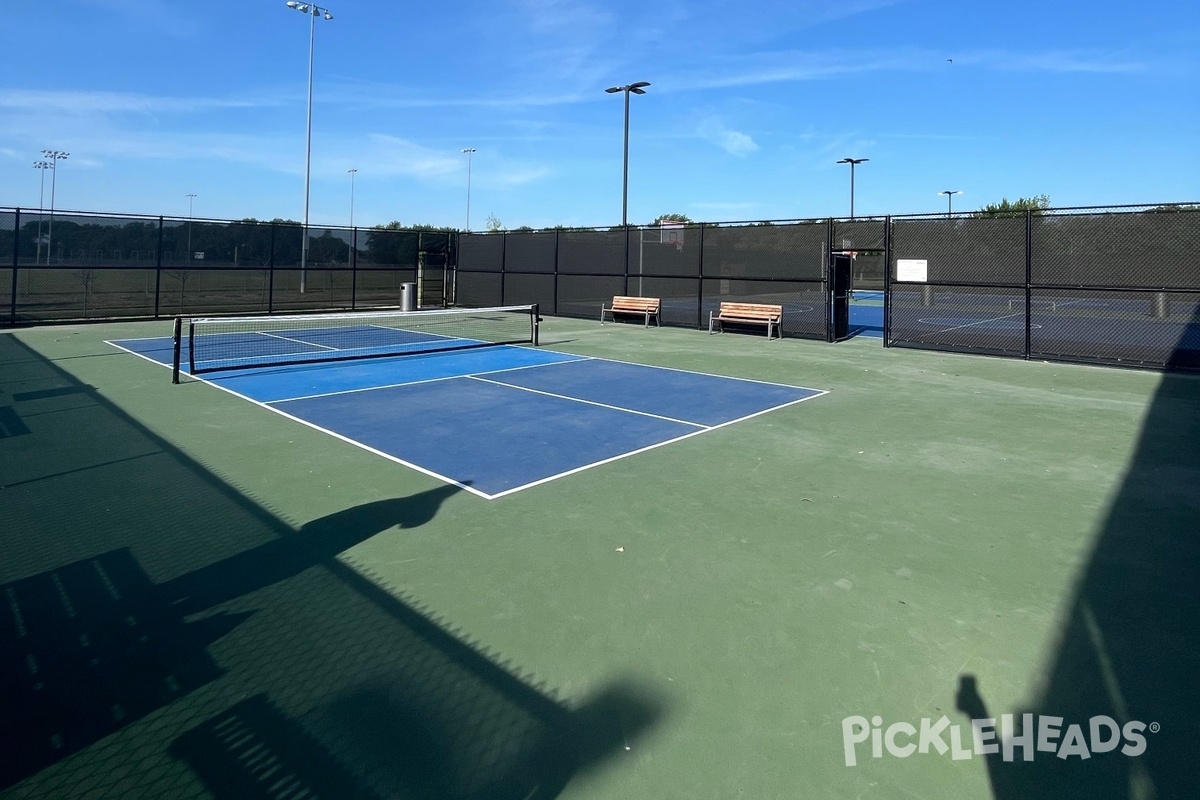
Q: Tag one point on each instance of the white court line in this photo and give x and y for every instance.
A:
(979, 322)
(540, 481)
(426, 380)
(291, 339)
(611, 459)
(590, 402)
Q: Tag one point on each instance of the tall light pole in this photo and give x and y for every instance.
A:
(950, 200)
(190, 198)
(41, 166)
(853, 162)
(55, 156)
(313, 12)
(352, 171)
(633, 88)
(470, 151)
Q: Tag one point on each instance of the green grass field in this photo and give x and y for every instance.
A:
(206, 599)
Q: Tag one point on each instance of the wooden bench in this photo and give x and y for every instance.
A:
(646, 306)
(747, 314)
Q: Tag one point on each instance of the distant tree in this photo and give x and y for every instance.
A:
(524, 229)
(1009, 208)
(494, 225)
(661, 218)
(1170, 208)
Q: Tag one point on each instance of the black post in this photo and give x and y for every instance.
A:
(1028, 281)
(176, 336)
(353, 266)
(700, 281)
(554, 309)
(537, 322)
(271, 273)
(887, 281)
(158, 282)
(192, 346)
(503, 265)
(12, 297)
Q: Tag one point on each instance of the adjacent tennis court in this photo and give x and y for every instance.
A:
(446, 393)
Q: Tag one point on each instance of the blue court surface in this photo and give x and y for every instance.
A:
(499, 419)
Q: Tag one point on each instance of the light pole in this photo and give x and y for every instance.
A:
(470, 151)
(190, 198)
(950, 200)
(55, 156)
(852, 162)
(41, 166)
(352, 171)
(313, 12)
(633, 88)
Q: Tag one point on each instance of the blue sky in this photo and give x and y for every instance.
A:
(751, 105)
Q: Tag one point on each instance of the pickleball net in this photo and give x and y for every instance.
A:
(209, 344)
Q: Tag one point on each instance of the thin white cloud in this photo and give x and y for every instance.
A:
(733, 142)
(557, 16)
(84, 102)
(796, 66)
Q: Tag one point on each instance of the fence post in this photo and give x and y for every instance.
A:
(1028, 281)
(554, 308)
(12, 295)
(700, 280)
(271, 273)
(887, 280)
(353, 268)
(158, 271)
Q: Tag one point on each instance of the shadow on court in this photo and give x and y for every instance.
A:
(162, 635)
(1130, 646)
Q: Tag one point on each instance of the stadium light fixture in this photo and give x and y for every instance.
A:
(633, 88)
(41, 167)
(853, 162)
(950, 200)
(313, 12)
(55, 156)
(470, 151)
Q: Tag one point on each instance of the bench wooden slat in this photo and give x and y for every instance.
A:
(757, 313)
(647, 306)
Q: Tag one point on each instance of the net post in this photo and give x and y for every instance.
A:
(176, 335)
(192, 346)
(537, 320)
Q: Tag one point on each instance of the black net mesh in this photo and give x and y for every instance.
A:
(523, 289)
(529, 252)
(475, 289)
(480, 252)
(964, 250)
(785, 252)
(680, 298)
(585, 295)
(242, 342)
(377, 288)
(1139, 328)
(966, 318)
(591, 252)
(1137, 250)
(665, 252)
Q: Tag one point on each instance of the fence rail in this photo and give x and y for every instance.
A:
(74, 266)
(1114, 285)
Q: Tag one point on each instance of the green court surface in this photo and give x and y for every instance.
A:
(206, 599)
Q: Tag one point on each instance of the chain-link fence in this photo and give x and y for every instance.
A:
(72, 266)
(690, 268)
(1113, 285)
